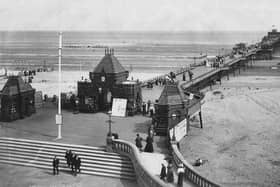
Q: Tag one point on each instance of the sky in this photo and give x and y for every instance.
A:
(140, 15)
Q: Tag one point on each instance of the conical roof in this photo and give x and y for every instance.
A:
(109, 64)
(15, 85)
(171, 95)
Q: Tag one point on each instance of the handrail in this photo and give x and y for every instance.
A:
(144, 177)
(196, 80)
(190, 173)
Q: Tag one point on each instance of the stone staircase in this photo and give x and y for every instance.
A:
(39, 154)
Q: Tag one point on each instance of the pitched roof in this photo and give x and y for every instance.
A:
(171, 95)
(109, 64)
(14, 85)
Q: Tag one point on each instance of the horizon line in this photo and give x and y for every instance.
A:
(91, 30)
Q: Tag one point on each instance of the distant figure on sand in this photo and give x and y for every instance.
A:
(149, 144)
(163, 172)
(138, 142)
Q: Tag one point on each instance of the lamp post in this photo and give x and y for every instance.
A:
(174, 117)
(110, 123)
(109, 138)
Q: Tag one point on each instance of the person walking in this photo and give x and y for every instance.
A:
(169, 175)
(144, 108)
(67, 158)
(79, 165)
(190, 74)
(149, 144)
(180, 172)
(73, 161)
(151, 131)
(138, 142)
(148, 106)
(70, 155)
(163, 172)
(55, 165)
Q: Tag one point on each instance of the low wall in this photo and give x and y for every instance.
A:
(190, 173)
(143, 176)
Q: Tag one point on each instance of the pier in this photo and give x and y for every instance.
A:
(206, 76)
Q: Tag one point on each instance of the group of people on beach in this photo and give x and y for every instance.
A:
(73, 161)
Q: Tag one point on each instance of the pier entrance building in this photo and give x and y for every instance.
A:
(16, 99)
(175, 105)
(108, 81)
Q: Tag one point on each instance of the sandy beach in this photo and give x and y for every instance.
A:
(240, 138)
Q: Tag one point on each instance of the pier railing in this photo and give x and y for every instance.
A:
(143, 176)
(190, 174)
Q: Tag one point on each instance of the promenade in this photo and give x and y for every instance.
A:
(91, 129)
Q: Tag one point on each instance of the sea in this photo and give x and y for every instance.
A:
(136, 51)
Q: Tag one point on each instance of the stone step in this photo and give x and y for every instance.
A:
(53, 143)
(48, 160)
(61, 151)
(93, 172)
(95, 160)
(161, 130)
(48, 154)
(58, 145)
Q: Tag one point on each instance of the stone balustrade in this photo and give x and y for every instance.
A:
(143, 176)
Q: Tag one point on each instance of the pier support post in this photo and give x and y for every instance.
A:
(200, 119)
(188, 124)
(228, 75)
(239, 68)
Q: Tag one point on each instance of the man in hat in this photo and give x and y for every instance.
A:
(55, 165)
(79, 164)
(67, 157)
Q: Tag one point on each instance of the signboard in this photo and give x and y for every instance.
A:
(191, 96)
(119, 107)
(58, 119)
(180, 130)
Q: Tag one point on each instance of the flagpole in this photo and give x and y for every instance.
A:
(59, 116)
